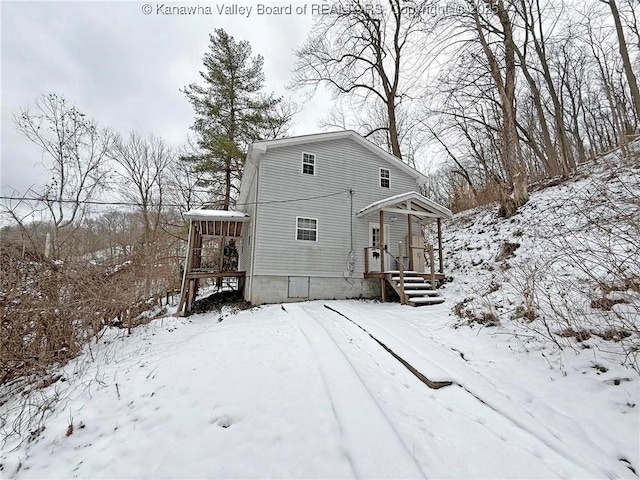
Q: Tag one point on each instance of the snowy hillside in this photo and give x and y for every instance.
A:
(565, 269)
(532, 353)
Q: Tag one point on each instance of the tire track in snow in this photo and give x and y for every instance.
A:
(420, 376)
(550, 443)
(374, 447)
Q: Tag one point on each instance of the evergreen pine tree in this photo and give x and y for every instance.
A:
(231, 111)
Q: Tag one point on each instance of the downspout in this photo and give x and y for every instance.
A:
(351, 258)
(253, 234)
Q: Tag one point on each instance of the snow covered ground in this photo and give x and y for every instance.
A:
(566, 267)
(540, 361)
(299, 391)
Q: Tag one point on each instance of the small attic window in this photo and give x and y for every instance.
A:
(385, 176)
(309, 163)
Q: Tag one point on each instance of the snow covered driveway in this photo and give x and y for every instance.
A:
(299, 391)
(449, 432)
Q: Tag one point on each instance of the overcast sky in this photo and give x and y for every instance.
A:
(124, 68)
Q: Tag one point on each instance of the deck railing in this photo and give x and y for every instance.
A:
(390, 261)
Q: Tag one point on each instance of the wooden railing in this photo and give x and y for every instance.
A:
(211, 260)
(426, 253)
(374, 252)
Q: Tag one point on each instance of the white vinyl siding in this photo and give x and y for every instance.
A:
(246, 248)
(308, 163)
(285, 194)
(307, 229)
(385, 178)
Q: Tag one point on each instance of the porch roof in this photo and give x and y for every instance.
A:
(219, 215)
(216, 223)
(410, 203)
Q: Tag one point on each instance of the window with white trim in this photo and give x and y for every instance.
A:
(385, 176)
(306, 229)
(309, 163)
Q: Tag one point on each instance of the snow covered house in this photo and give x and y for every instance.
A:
(314, 205)
(308, 226)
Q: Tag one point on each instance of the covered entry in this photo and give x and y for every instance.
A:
(416, 256)
(208, 252)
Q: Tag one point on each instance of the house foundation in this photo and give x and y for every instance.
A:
(282, 289)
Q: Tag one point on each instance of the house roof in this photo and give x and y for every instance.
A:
(262, 146)
(408, 203)
(216, 215)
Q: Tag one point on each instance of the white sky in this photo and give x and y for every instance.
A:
(124, 68)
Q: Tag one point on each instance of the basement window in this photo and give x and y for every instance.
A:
(385, 176)
(306, 229)
(309, 163)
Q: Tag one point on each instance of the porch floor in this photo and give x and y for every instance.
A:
(425, 275)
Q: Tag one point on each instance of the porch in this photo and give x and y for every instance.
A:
(418, 267)
(211, 252)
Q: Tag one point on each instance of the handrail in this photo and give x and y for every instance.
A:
(388, 257)
(403, 295)
(387, 254)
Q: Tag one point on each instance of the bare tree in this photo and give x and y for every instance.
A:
(185, 183)
(624, 53)
(362, 50)
(537, 24)
(514, 190)
(142, 179)
(75, 154)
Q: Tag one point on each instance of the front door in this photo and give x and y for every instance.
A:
(374, 241)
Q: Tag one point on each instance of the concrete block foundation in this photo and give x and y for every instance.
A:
(281, 289)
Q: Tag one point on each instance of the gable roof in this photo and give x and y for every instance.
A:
(419, 206)
(256, 149)
(262, 146)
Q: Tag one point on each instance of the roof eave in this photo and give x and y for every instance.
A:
(426, 203)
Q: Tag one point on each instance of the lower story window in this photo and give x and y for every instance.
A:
(306, 229)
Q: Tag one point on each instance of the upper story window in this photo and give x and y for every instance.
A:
(306, 229)
(385, 176)
(309, 163)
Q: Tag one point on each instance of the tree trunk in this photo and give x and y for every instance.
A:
(514, 193)
(550, 160)
(624, 53)
(227, 188)
(393, 128)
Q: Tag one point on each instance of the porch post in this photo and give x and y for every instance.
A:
(403, 295)
(440, 254)
(197, 260)
(382, 255)
(187, 268)
(409, 238)
(432, 266)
